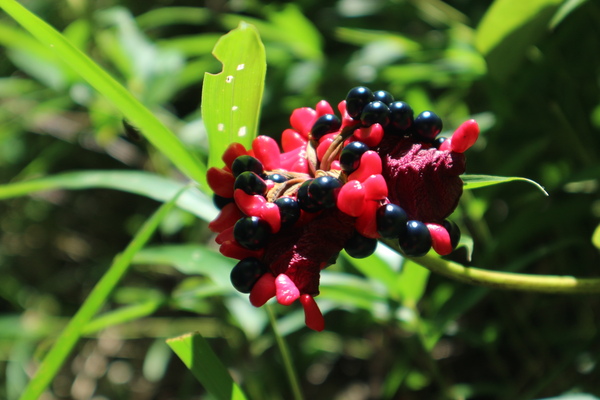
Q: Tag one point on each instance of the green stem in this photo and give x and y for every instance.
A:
(506, 280)
(69, 337)
(285, 354)
(510, 280)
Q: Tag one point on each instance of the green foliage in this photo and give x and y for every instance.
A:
(196, 354)
(77, 186)
(231, 99)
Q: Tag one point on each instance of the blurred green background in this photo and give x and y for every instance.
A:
(528, 71)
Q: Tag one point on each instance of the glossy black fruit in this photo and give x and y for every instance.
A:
(417, 240)
(350, 156)
(391, 221)
(383, 96)
(427, 125)
(252, 232)
(401, 116)
(359, 246)
(324, 190)
(277, 178)
(438, 142)
(357, 99)
(305, 201)
(250, 183)
(245, 274)
(453, 231)
(221, 201)
(325, 124)
(289, 210)
(376, 112)
(246, 163)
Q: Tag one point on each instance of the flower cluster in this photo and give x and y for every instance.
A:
(336, 183)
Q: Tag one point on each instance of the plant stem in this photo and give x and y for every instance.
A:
(285, 354)
(505, 280)
(510, 280)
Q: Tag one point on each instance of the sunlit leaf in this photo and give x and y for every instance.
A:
(478, 181)
(196, 354)
(155, 131)
(563, 12)
(143, 183)
(508, 29)
(71, 334)
(596, 237)
(412, 282)
(231, 99)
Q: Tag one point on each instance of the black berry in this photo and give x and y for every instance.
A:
(391, 221)
(350, 156)
(323, 190)
(221, 201)
(246, 163)
(252, 232)
(376, 112)
(359, 246)
(289, 210)
(417, 240)
(325, 124)
(438, 142)
(277, 178)
(401, 116)
(357, 99)
(305, 201)
(384, 96)
(250, 183)
(427, 125)
(245, 274)
(453, 231)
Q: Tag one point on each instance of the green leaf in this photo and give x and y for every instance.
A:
(412, 282)
(382, 266)
(478, 181)
(69, 337)
(197, 355)
(231, 100)
(123, 314)
(165, 16)
(158, 134)
(509, 28)
(289, 28)
(563, 12)
(143, 183)
(190, 259)
(596, 237)
(350, 290)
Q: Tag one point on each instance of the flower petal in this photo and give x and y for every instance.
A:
(285, 290)
(313, 318)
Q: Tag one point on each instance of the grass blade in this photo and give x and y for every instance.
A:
(69, 337)
(478, 181)
(197, 355)
(142, 183)
(159, 135)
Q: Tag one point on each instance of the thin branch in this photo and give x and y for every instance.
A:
(563, 284)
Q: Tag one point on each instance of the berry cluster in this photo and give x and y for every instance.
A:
(338, 183)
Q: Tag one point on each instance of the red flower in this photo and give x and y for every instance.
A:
(338, 183)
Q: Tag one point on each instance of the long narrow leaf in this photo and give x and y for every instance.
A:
(158, 134)
(231, 99)
(143, 183)
(478, 181)
(197, 355)
(72, 333)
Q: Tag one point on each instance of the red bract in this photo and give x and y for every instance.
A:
(313, 208)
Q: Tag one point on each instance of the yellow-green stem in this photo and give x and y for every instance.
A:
(507, 280)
